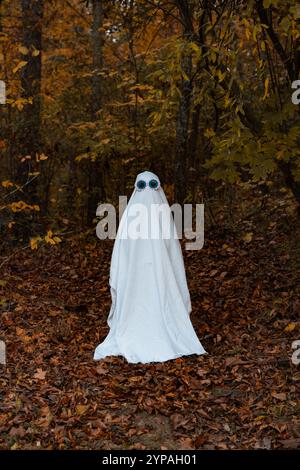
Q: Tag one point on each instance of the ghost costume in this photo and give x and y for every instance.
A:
(149, 318)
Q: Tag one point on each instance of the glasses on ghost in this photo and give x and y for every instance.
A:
(141, 184)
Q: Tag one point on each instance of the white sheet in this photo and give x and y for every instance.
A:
(149, 318)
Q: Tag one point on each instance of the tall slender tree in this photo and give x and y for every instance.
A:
(95, 180)
(29, 135)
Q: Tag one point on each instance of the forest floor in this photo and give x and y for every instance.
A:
(243, 394)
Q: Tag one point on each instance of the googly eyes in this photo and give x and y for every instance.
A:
(141, 184)
(153, 184)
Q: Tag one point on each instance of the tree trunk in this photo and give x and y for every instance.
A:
(182, 129)
(95, 178)
(182, 123)
(29, 138)
(194, 137)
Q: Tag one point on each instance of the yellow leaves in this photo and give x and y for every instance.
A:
(41, 157)
(19, 103)
(280, 154)
(267, 82)
(23, 50)
(141, 87)
(285, 24)
(290, 327)
(221, 76)
(196, 50)
(260, 418)
(239, 109)
(155, 117)
(83, 156)
(52, 240)
(7, 184)
(248, 237)
(228, 101)
(81, 409)
(48, 238)
(34, 242)
(248, 33)
(213, 56)
(19, 66)
(3, 37)
(21, 206)
(27, 157)
(209, 132)
(255, 30)
(38, 158)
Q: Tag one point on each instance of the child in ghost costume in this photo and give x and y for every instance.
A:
(149, 318)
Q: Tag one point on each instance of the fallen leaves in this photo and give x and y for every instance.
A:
(279, 396)
(54, 394)
(40, 374)
(81, 409)
(290, 327)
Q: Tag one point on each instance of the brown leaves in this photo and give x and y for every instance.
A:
(101, 370)
(290, 443)
(179, 421)
(40, 374)
(231, 398)
(279, 396)
(81, 409)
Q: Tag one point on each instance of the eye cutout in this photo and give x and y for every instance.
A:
(153, 184)
(140, 185)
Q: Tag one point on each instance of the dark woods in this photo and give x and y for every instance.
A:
(197, 91)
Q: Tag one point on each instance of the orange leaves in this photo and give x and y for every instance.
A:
(7, 184)
(20, 206)
(23, 337)
(279, 396)
(19, 66)
(290, 327)
(41, 157)
(40, 374)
